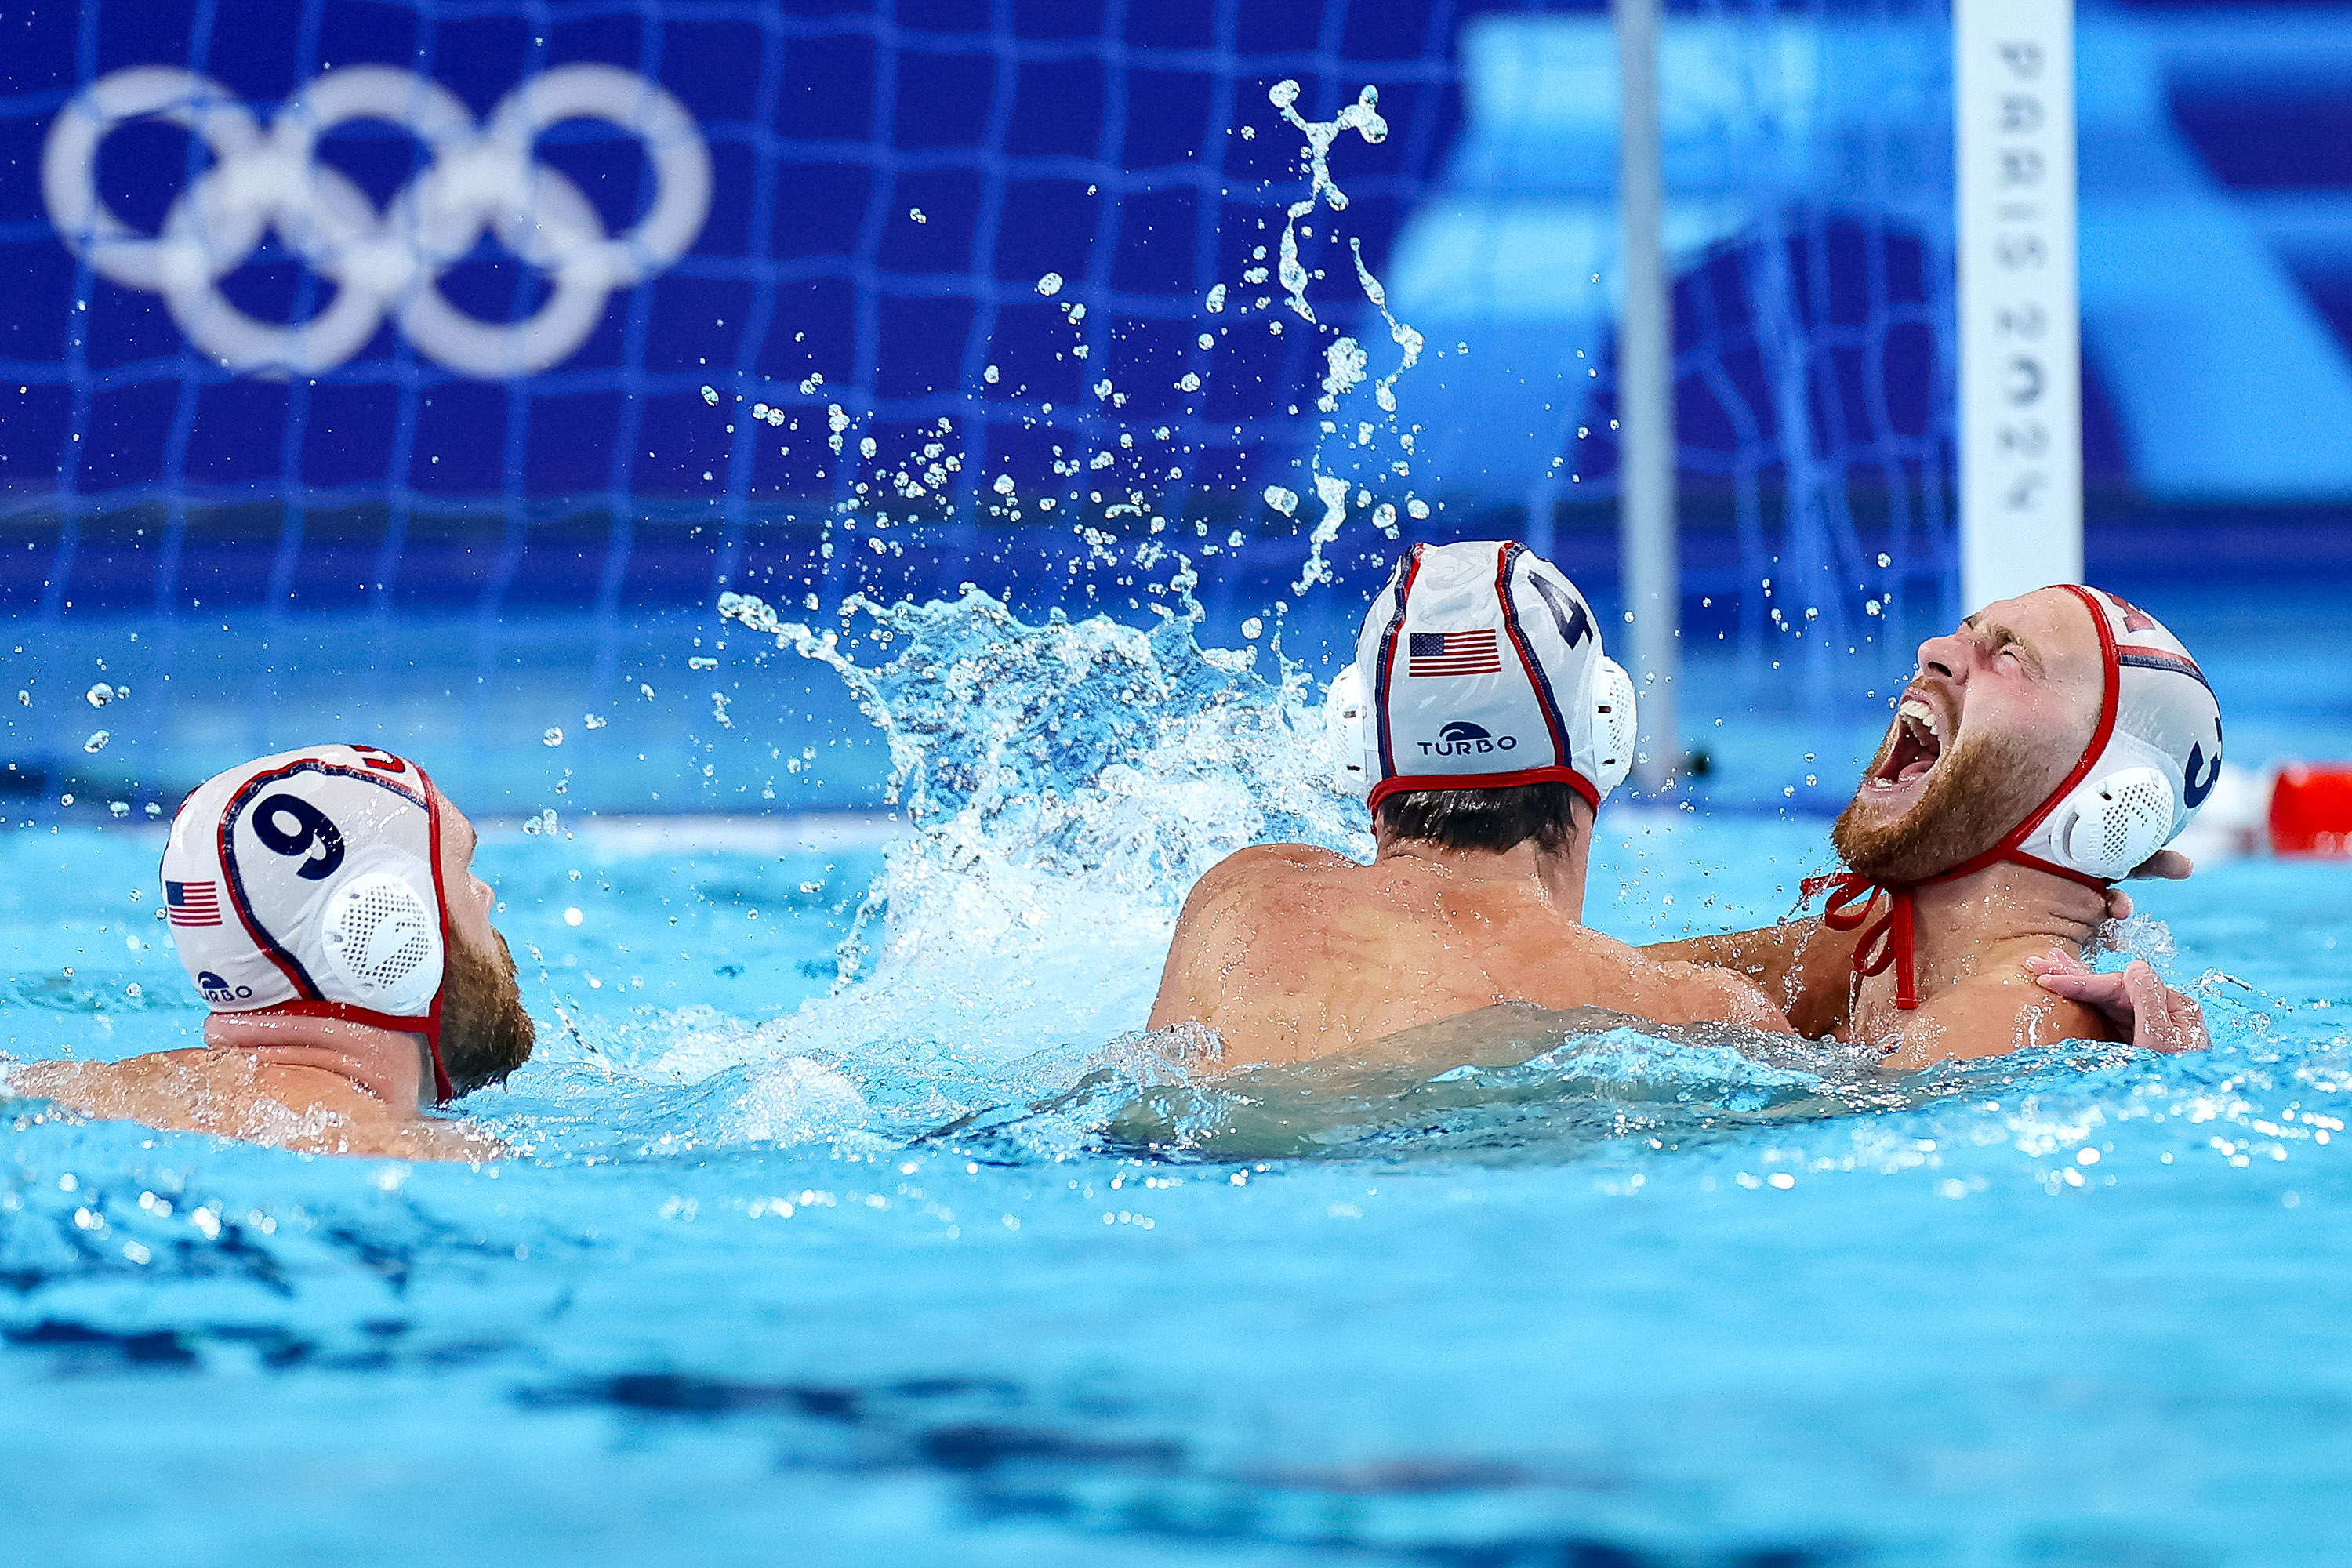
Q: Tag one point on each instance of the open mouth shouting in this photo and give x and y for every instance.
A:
(1914, 748)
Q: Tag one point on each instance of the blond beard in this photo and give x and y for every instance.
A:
(485, 1032)
(1976, 796)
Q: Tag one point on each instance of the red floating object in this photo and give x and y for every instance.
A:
(2310, 809)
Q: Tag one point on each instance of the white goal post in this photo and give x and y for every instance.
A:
(2021, 387)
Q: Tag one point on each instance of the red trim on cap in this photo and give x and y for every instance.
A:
(443, 1091)
(1405, 784)
(350, 1011)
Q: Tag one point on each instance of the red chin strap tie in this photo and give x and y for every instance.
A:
(1888, 939)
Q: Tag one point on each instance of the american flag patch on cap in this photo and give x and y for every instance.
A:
(193, 904)
(1453, 653)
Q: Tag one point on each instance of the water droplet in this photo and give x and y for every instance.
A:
(1004, 484)
(99, 695)
(573, 917)
(711, 396)
(1884, 559)
(1050, 284)
(1282, 500)
(97, 742)
(594, 721)
(553, 737)
(1216, 301)
(1253, 627)
(917, 214)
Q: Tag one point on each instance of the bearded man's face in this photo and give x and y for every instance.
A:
(2000, 712)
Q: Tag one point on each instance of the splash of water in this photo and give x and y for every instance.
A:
(1406, 338)
(1065, 785)
(1363, 117)
(1346, 361)
(1333, 491)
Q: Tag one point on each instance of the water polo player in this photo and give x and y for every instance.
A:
(1484, 725)
(2052, 745)
(324, 904)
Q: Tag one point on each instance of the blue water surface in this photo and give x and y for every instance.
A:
(852, 1221)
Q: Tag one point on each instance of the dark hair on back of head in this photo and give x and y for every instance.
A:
(1484, 818)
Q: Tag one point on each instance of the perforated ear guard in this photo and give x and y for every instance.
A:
(1607, 730)
(381, 933)
(1609, 739)
(1347, 725)
(2125, 811)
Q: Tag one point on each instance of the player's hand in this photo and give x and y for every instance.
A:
(2159, 1018)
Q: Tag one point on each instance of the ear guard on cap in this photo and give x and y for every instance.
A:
(2115, 819)
(381, 933)
(1607, 735)
(1348, 726)
(1611, 736)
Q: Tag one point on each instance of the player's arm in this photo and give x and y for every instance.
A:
(1803, 966)
(1710, 993)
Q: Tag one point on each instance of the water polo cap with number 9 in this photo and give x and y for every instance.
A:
(309, 884)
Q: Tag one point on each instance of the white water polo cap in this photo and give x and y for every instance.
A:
(2154, 756)
(309, 883)
(1480, 666)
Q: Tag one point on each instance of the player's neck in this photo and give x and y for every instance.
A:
(387, 1063)
(1957, 926)
(1559, 873)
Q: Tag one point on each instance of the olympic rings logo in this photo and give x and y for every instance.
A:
(483, 178)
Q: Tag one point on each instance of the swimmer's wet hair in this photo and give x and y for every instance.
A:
(1484, 818)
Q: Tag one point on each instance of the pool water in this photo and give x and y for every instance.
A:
(853, 1221)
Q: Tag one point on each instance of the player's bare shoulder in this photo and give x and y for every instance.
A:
(1994, 1013)
(1261, 869)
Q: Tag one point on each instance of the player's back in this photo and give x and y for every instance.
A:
(1289, 952)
